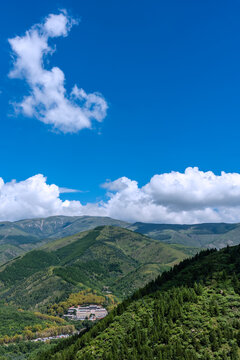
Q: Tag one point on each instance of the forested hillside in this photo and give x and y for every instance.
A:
(190, 312)
(21, 236)
(107, 256)
(100, 266)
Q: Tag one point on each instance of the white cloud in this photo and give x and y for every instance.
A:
(33, 198)
(64, 190)
(48, 100)
(190, 197)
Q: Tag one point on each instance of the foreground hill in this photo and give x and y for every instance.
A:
(190, 312)
(21, 236)
(198, 235)
(107, 257)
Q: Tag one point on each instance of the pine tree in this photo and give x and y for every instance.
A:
(234, 352)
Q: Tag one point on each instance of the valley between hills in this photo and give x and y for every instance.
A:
(151, 278)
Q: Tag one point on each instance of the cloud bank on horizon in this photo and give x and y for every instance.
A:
(48, 100)
(190, 197)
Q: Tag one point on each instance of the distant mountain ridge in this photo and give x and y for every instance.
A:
(21, 236)
(208, 235)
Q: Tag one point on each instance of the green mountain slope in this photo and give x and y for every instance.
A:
(190, 312)
(18, 328)
(21, 236)
(25, 321)
(106, 256)
(14, 241)
(16, 238)
(198, 235)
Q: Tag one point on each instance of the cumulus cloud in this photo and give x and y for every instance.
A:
(33, 197)
(190, 197)
(48, 100)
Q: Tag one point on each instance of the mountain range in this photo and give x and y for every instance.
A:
(21, 236)
(18, 237)
(216, 235)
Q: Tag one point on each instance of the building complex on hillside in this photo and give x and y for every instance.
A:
(90, 312)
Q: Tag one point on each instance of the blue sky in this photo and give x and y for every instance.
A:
(169, 72)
